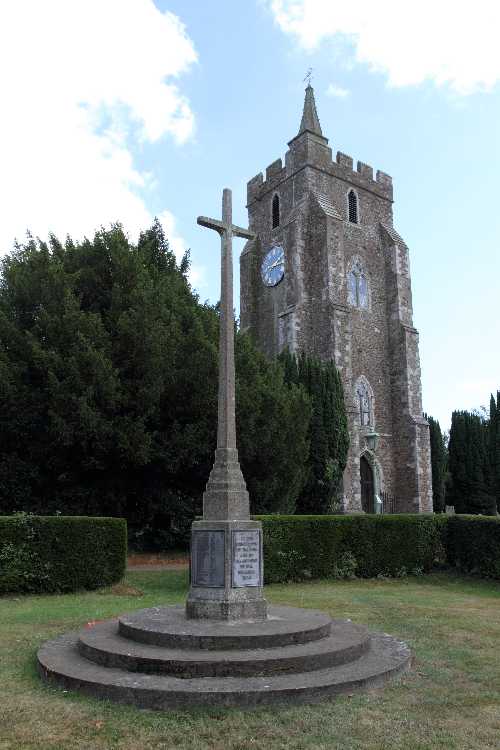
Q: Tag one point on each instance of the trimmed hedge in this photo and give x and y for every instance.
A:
(46, 554)
(300, 547)
(473, 544)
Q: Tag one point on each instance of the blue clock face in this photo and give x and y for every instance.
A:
(273, 266)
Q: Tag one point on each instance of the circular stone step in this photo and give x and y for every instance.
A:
(169, 627)
(103, 645)
(60, 663)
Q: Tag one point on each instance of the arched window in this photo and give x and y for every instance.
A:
(352, 205)
(357, 286)
(276, 211)
(364, 401)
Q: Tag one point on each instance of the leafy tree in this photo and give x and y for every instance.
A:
(438, 464)
(328, 433)
(105, 342)
(108, 389)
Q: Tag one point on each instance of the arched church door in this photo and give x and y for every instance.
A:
(367, 486)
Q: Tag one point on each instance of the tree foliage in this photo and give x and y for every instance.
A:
(108, 389)
(438, 464)
(328, 431)
(494, 447)
(273, 419)
(470, 489)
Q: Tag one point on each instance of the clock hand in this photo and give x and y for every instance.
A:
(276, 263)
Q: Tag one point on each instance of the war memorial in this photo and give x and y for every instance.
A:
(226, 647)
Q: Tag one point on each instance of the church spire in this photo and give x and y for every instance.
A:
(310, 119)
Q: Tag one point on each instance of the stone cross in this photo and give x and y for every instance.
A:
(226, 495)
(226, 545)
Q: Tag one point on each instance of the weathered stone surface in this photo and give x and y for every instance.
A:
(149, 676)
(228, 601)
(310, 309)
(216, 592)
(103, 645)
(168, 627)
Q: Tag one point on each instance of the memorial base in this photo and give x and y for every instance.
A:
(226, 571)
(156, 658)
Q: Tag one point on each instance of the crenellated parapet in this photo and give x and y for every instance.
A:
(361, 177)
(257, 187)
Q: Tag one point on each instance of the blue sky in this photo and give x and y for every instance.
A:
(125, 110)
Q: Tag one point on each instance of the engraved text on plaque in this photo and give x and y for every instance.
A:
(246, 558)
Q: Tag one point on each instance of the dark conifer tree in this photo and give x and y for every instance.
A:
(469, 465)
(494, 447)
(438, 464)
(108, 389)
(329, 435)
(273, 417)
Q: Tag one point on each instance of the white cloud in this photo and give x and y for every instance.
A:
(337, 91)
(178, 246)
(449, 42)
(83, 83)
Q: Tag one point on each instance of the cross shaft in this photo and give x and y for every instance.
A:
(226, 495)
(226, 424)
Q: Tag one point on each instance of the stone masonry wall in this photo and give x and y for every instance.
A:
(309, 310)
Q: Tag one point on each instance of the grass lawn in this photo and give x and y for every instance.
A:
(451, 699)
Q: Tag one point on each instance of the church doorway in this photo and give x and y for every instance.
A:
(367, 486)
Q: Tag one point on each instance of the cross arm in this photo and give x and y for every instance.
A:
(245, 233)
(204, 221)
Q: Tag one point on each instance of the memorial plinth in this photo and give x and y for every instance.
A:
(226, 571)
(156, 658)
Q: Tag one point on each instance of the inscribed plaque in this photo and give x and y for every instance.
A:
(207, 558)
(246, 558)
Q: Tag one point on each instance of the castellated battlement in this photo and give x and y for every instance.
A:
(342, 167)
(274, 170)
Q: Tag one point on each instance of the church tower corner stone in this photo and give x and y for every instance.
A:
(344, 294)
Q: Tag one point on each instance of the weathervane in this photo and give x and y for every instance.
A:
(308, 76)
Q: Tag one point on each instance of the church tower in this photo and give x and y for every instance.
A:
(329, 275)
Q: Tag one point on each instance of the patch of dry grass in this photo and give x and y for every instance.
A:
(451, 699)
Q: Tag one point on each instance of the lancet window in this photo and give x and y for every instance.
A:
(276, 212)
(357, 286)
(364, 400)
(352, 206)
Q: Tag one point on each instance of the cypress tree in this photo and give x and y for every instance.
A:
(469, 464)
(328, 432)
(494, 447)
(438, 464)
(272, 418)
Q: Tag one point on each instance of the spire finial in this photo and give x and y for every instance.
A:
(310, 119)
(308, 76)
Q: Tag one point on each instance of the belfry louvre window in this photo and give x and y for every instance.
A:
(352, 201)
(276, 211)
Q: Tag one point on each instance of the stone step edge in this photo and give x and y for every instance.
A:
(311, 625)
(104, 646)
(60, 664)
